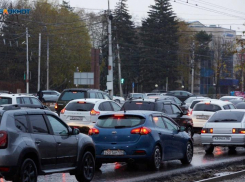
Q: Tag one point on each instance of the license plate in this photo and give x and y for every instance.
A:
(76, 118)
(222, 138)
(113, 152)
(203, 117)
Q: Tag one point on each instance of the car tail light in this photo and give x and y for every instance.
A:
(118, 115)
(190, 112)
(56, 106)
(207, 130)
(207, 103)
(93, 131)
(81, 102)
(63, 111)
(234, 130)
(94, 112)
(242, 131)
(139, 152)
(4, 169)
(238, 130)
(141, 131)
(3, 139)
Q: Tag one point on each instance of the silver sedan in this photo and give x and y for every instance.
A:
(225, 128)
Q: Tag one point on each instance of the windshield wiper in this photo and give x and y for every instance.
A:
(208, 110)
(120, 126)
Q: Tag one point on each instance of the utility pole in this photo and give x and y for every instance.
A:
(110, 65)
(242, 68)
(119, 71)
(27, 63)
(47, 63)
(39, 62)
(192, 67)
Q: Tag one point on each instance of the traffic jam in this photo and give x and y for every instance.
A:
(103, 139)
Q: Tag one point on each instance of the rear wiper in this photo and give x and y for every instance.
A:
(81, 110)
(120, 126)
(208, 110)
(216, 120)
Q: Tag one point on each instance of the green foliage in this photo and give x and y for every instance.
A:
(159, 47)
(69, 43)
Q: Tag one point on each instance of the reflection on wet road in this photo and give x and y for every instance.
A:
(122, 172)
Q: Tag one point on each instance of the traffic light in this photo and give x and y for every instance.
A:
(122, 80)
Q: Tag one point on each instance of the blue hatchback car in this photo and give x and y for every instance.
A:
(140, 136)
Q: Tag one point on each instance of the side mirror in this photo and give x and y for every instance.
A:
(75, 131)
(182, 128)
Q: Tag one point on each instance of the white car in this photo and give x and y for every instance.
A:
(189, 100)
(203, 110)
(224, 128)
(228, 98)
(19, 99)
(119, 100)
(194, 102)
(83, 113)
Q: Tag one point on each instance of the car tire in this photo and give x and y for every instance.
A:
(208, 149)
(188, 154)
(28, 172)
(98, 165)
(156, 159)
(86, 168)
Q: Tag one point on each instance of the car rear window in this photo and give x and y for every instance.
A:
(138, 106)
(126, 121)
(71, 95)
(230, 116)
(76, 106)
(206, 107)
(194, 103)
(5, 100)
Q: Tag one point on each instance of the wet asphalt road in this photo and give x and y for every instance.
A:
(120, 172)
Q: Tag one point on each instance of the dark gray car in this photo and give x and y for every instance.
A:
(37, 142)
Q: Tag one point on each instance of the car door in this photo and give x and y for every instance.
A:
(177, 141)
(164, 136)
(176, 116)
(44, 140)
(66, 144)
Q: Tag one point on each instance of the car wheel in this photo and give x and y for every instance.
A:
(28, 172)
(117, 101)
(209, 149)
(86, 169)
(156, 160)
(189, 131)
(188, 154)
(98, 164)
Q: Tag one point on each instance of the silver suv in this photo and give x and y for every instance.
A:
(36, 142)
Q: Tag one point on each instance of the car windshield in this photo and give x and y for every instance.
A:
(5, 100)
(126, 121)
(206, 107)
(71, 95)
(231, 116)
(138, 106)
(76, 106)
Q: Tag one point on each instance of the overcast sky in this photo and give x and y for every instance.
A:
(225, 13)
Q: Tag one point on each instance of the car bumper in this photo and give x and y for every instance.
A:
(234, 139)
(10, 174)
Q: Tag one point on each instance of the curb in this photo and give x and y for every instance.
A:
(166, 174)
(224, 177)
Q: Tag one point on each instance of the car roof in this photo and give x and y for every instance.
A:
(15, 95)
(133, 112)
(82, 89)
(89, 100)
(231, 97)
(213, 101)
(28, 111)
(232, 110)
